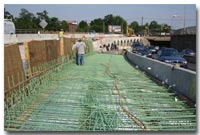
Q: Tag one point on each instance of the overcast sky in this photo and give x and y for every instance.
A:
(130, 12)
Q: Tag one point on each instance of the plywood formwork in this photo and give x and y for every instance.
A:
(41, 51)
(52, 49)
(35, 53)
(68, 43)
(13, 67)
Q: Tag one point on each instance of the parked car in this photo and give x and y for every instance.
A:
(145, 53)
(91, 32)
(152, 49)
(157, 48)
(171, 56)
(187, 52)
(137, 46)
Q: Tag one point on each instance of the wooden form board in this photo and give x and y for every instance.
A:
(13, 67)
(35, 53)
(68, 43)
(52, 49)
(41, 51)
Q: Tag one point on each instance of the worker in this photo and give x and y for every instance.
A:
(81, 51)
(39, 34)
(104, 49)
(61, 33)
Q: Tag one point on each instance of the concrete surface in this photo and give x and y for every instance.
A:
(20, 38)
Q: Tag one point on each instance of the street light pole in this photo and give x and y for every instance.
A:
(103, 26)
(184, 22)
(122, 29)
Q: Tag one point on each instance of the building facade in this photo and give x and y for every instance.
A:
(73, 25)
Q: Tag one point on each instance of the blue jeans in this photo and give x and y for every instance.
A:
(80, 59)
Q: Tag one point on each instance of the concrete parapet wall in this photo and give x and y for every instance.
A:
(96, 35)
(179, 79)
(120, 41)
(20, 38)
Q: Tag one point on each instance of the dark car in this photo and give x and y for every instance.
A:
(91, 32)
(171, 56)
(152, 49)
(137, 46)
(189, 55)
(187, 52)
(145, 53)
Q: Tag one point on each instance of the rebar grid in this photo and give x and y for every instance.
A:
(106, 94)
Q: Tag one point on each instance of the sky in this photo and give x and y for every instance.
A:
(172, 14)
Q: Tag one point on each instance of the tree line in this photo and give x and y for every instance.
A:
(27, 20)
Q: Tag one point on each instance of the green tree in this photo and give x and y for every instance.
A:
(64, 25)
(165, 28)
(118, 20)
(82, 27)
(109, 19)
(54, 24)
(8, 15)
(115, 20)
(43, 15)
(26, 20)
(135, 26)
(97, 25)
(154, 27)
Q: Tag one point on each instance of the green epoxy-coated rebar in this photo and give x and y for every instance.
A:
(106, 94)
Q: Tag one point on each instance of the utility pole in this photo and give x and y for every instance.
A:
(122, 29)
(184, 21)
(103, 27)
(142, 20)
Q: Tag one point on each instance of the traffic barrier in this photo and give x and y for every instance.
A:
(179, 79)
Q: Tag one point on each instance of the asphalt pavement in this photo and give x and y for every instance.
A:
(192, 66)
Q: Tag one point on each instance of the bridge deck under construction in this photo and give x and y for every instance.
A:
(106, 94)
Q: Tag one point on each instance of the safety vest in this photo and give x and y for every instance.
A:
(61, 34)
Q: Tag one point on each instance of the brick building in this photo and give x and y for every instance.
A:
(73, 25)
